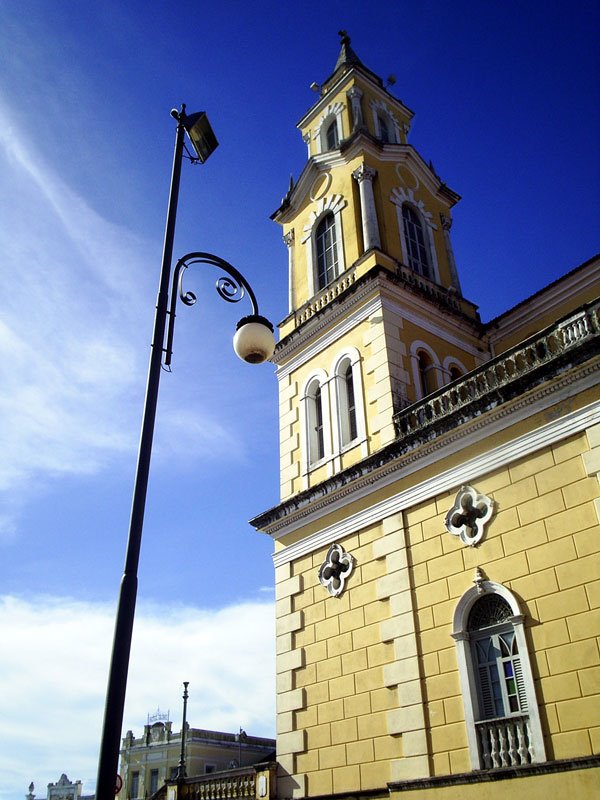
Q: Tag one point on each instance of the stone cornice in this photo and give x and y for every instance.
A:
(437, 782)
(377, 278)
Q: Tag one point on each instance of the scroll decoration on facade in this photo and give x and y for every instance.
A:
(469, 515)
(336, 569)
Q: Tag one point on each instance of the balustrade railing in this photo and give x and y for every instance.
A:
(504, 742)
(488, 380)
(254, 782)
(326, 296)
(221, 786)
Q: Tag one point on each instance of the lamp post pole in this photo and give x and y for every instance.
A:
(119, 664)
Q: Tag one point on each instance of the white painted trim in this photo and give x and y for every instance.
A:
(333, 112)
(468, 679)
(544, 301)
(353, 355)
(401, 197)
(376, 305)
(334, 204)
(468, 471)
(379, 107)
(317, 376)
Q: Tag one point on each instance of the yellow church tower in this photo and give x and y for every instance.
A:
(437, 539)
(367, 230)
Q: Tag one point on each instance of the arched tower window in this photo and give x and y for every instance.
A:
(315, 423)
(455, 373)
(332, 137)
(347, 403)
(351, 402)
(384, 131)
(501, 713)
(327, 251)
(427, 373)
(416, 247)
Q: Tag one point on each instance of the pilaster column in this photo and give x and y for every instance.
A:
(446, 225)
(306, 140)
(354, 95)
(370, 227)
(288, 240)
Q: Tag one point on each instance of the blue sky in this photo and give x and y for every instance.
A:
(506, 101)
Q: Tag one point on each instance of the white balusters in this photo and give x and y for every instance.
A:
(504, 742)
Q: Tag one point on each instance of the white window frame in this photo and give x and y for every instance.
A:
(333, 113)
(466, 668)
(334, 204)
(399, 197)
(414, 358)
(452, 361)
(379, 108)
(341, 442)
(425, 265)
(307, 398)
(326, 246)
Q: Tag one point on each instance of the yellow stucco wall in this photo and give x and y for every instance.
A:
(543, 544)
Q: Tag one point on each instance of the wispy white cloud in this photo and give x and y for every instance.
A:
(55, 656)
(67, 330)
(75, 320)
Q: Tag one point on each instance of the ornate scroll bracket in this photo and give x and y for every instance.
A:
(231, 287)
(469, 515)
(336, 569)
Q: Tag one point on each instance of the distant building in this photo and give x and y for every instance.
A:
(152, 759)
(437, 539)
(63, 789)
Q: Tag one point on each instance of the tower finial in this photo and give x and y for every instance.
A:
(345, 39)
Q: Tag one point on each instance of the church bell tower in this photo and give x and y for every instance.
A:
(371, 268)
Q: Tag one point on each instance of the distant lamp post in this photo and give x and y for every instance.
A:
(242, 736)
(253, 342)
(181, 773)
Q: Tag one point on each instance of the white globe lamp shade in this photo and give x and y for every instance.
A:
(254, 341)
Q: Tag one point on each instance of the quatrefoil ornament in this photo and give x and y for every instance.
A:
(336, 569)
(469, 515)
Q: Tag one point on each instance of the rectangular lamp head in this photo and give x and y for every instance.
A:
(201, 135)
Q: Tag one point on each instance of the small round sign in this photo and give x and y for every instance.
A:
(118, 784)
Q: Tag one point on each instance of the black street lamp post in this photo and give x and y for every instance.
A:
(253, 342)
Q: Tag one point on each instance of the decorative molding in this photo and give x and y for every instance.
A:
(364, 173)
(446, 221)
(332, 110)
(477, 730)
(317, 193)
(345, 309)
(400, 195)
(334, 203)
